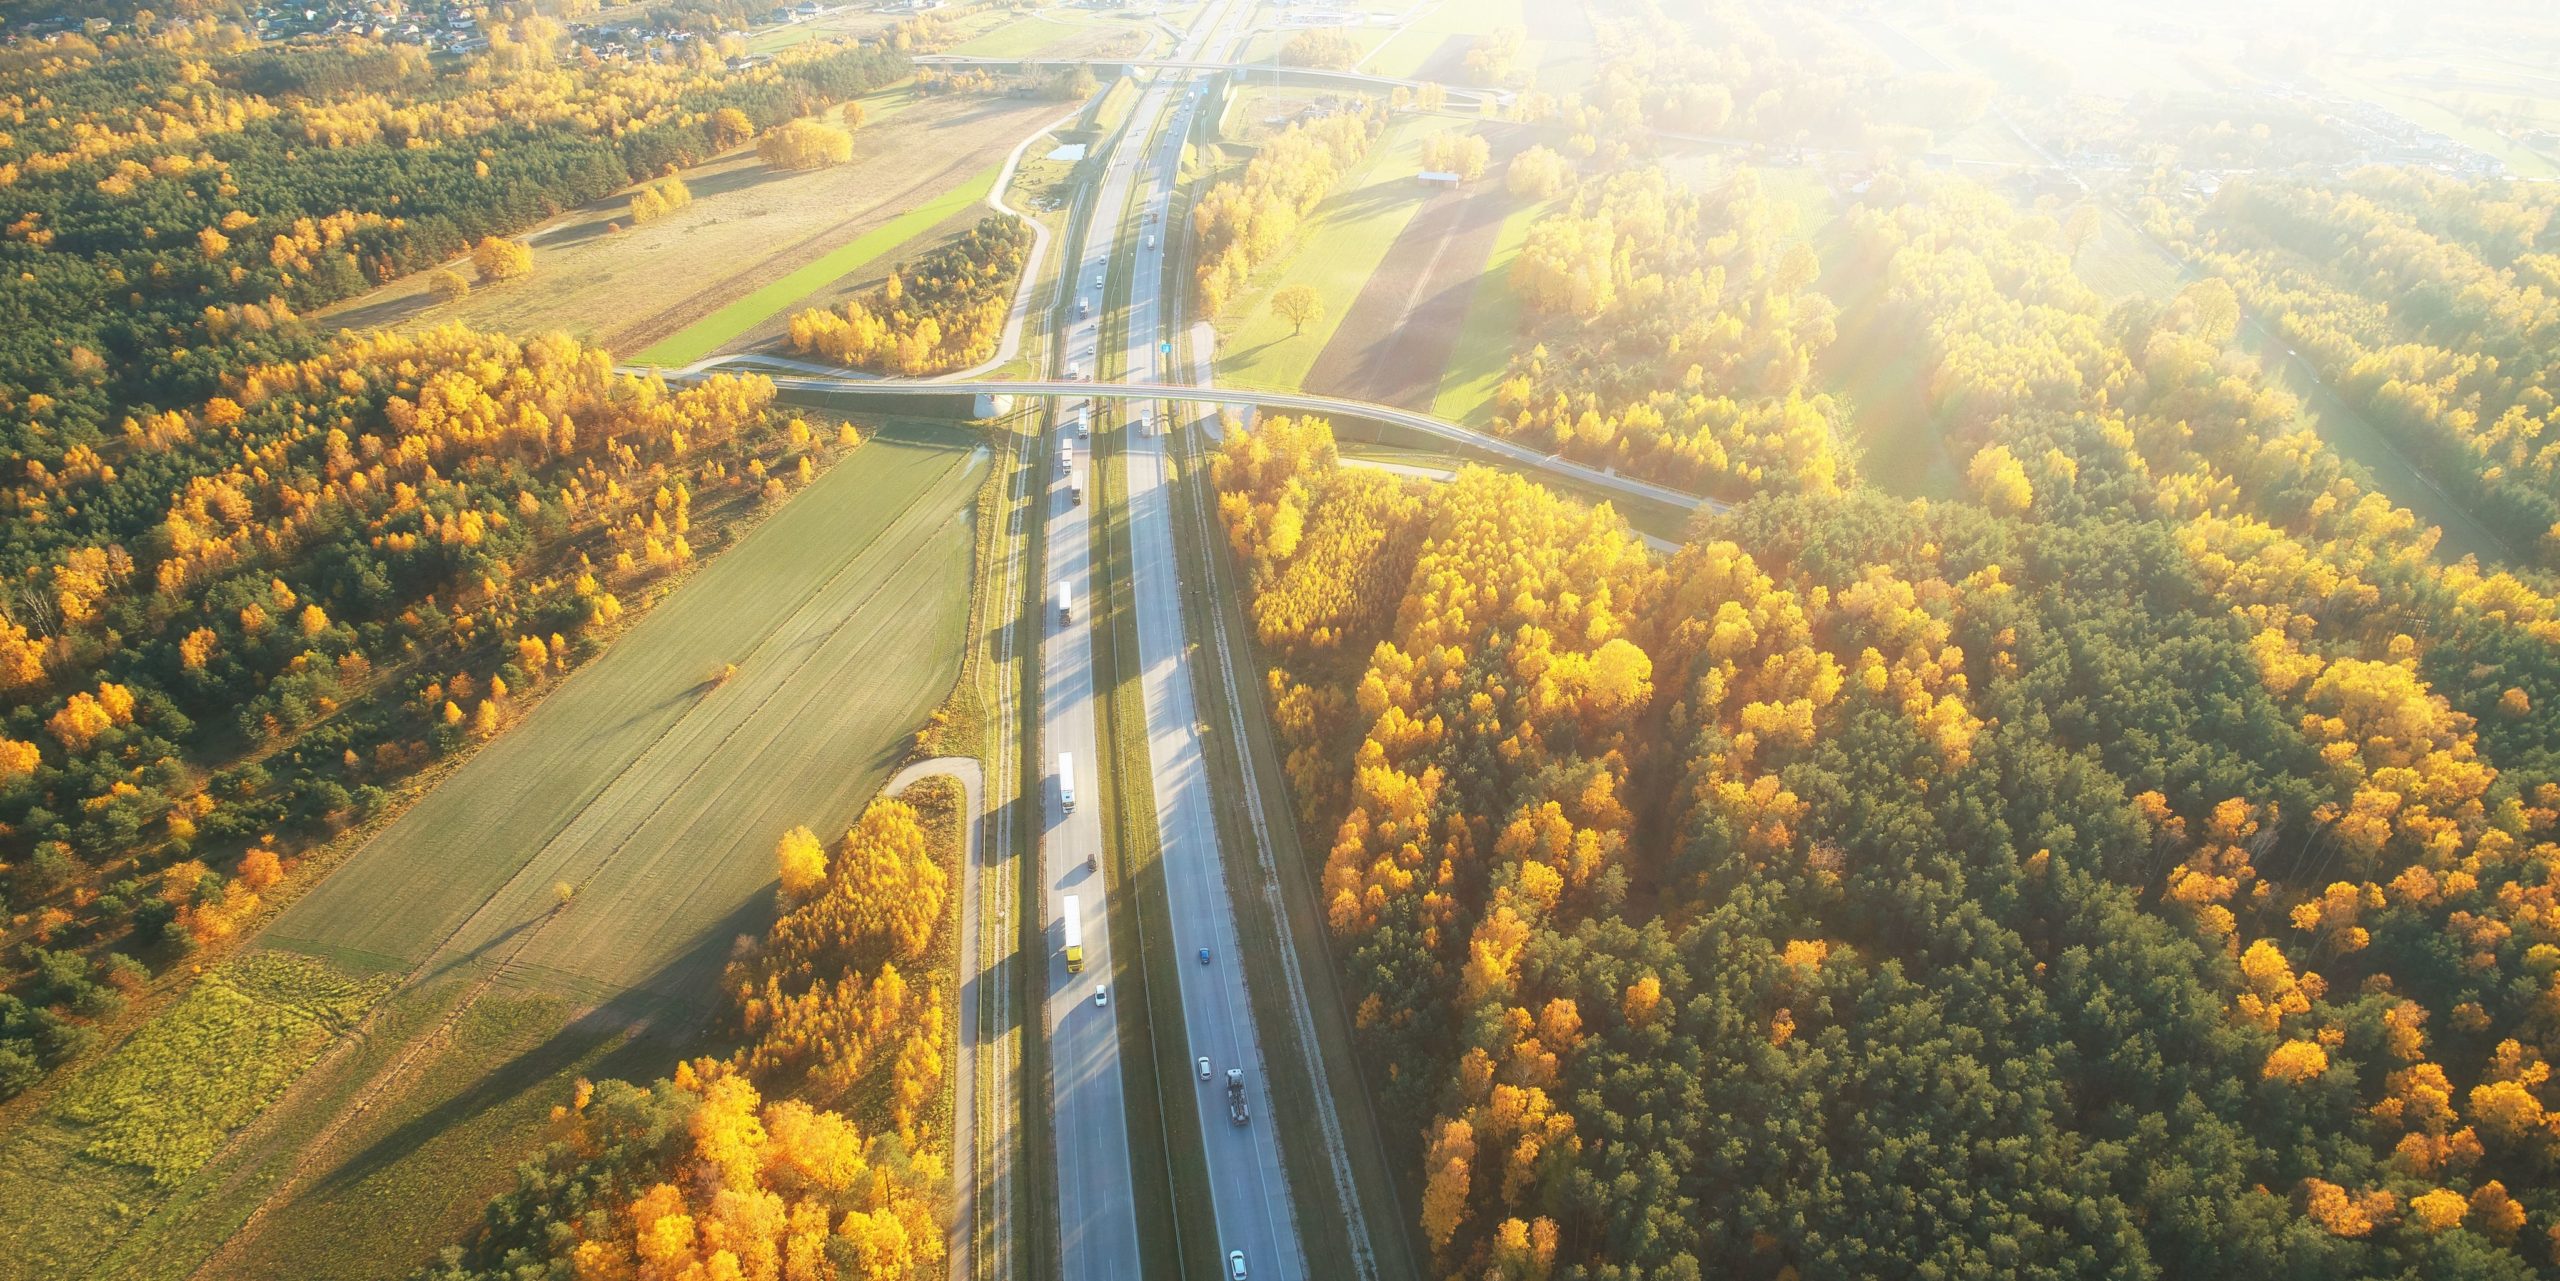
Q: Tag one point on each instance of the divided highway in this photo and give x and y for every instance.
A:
(1098, 1239)
(1248, 1186)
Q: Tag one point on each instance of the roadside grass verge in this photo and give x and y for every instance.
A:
(729, 323)
(1112, 110)
(1355, 226)
(1034, 1154)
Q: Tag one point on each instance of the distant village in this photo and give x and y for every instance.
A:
(454, 28)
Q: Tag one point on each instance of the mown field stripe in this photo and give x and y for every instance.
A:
(721, 327)
(1492, 328)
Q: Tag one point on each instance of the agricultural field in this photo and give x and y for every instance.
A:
(827, 279)
(1493, 322)
(1408, 320)
(1413, 51)
(845, 23)
(750, 227)
(1060, 34)
(650, 786)
(1356, 225)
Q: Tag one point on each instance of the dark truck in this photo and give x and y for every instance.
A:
(1236, 1110)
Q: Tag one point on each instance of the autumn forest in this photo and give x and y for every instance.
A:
(1946, 665)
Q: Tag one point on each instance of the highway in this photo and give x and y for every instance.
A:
(1097, 1226)
(1097, 1219)
(1248, 1187)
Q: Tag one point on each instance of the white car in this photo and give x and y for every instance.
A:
(1204, 1069)
(1235, 1265)
(1102, 995)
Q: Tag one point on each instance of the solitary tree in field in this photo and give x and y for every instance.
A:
(1299, 305)
(448, 285)
(2080, 227)
(498, 260)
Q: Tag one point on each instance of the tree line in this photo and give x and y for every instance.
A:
(183, 194)
(820, 1149)
(1245, 223)
(946, 311)
(279, 604)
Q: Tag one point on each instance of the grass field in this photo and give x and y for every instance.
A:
(748, 227)
(734, 321)
(1492, 327)
(1023, 38)
(654, 793)
(1354, 227)
(2120, 263)
(654, 789)
(1413, 47)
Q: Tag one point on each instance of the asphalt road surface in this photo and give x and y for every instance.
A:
(1097, 1220)
(1248, 1187)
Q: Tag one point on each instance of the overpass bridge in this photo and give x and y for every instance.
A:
(985, 397)
(1321, 76)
